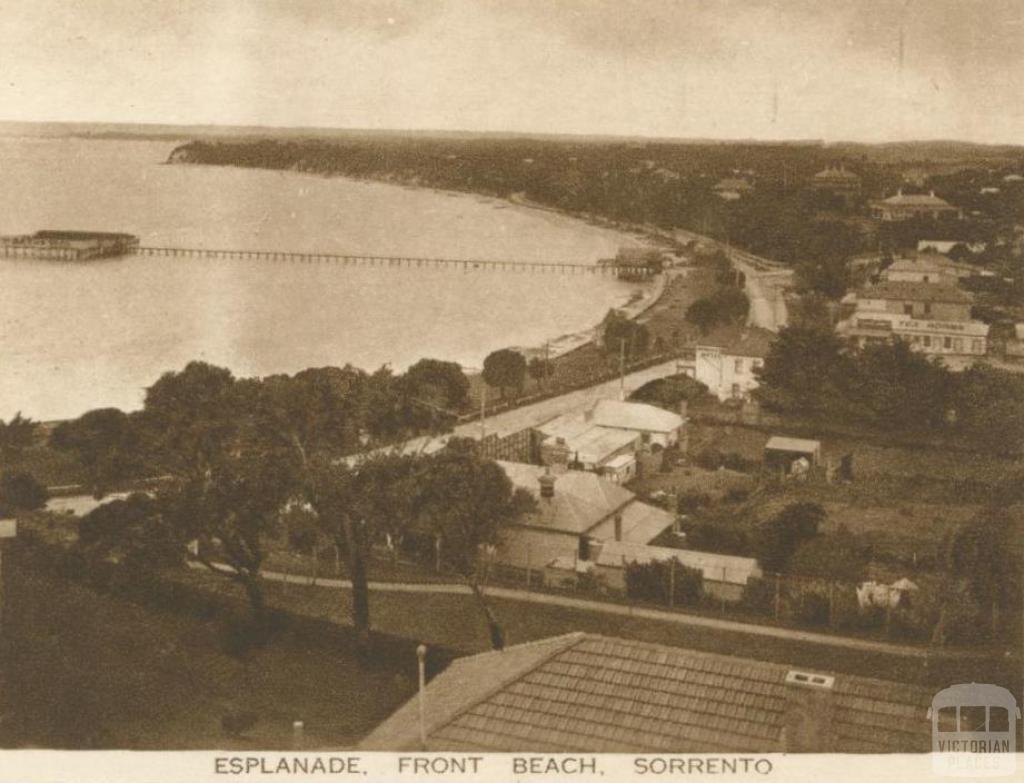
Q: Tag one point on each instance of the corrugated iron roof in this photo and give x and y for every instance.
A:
(782, 443)
(713, 566)
(636, 416)
(589, 693)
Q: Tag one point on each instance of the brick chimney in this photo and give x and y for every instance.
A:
(808, 714)
(547, 486)
(618, 527)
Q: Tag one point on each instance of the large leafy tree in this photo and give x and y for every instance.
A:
(191, 418)
(107, 444)
(437, 385)
(19, 492)
(622, 335)
(505, 369)
(332, 422)
(807, 371)
(466, 502)
(356, 507)
(16, 435)
(227, 481)
(901, 388)
(990, 408)
(231, 513)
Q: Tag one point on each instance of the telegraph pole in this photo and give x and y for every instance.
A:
(483, 412)
(8, 529)
(622, 368)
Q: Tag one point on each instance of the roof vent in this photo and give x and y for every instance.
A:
(813, 680)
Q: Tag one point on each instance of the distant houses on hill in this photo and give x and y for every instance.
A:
(838, 182)
(909, 206)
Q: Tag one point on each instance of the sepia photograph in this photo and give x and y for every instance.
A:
(511, 389)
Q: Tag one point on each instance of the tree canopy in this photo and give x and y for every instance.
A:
(20, 492)
(505, 369)
(779, 537)
(624, 335)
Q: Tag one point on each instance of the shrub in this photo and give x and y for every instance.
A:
(812, 608)
(736, 495)
(725, 539)
(759, 596)
(709, 458)
(650, 582)
(739, 463)
(780, 536)
(19, 491)
(692, 500)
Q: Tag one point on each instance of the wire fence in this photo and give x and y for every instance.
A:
(791, 600)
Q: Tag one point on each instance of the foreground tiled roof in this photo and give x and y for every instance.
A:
(588, 693)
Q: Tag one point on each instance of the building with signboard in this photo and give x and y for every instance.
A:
(729, 368)
(932, 318)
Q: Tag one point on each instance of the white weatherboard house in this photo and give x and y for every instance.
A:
(728, 370)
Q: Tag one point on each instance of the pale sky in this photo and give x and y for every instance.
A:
(767, 69)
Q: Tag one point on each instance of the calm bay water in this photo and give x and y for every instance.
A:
(75, 336)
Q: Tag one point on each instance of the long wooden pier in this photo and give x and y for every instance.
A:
(408, 262)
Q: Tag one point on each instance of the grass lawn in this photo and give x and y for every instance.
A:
(455, 621)
(89, 670)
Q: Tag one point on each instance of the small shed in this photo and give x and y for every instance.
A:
(782, 454)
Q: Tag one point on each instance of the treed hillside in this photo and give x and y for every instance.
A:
(668, 184)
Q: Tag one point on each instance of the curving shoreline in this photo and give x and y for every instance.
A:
(556, 346)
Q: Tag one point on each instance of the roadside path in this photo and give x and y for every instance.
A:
(766, 282)
(533, 415)
(549, 599)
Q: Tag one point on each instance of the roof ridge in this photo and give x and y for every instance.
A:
(575, 637)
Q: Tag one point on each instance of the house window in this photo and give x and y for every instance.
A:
(908, 308)
(735, 390)
(739, 366)
(958, 344)
(927, 341)
(947, 342)
(927, 308)
(977, 346)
